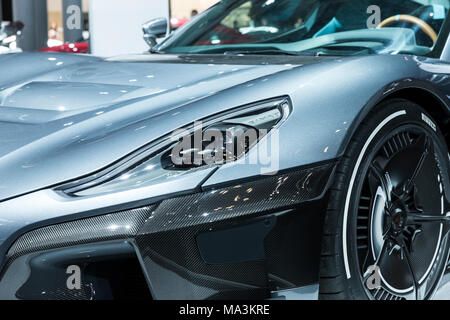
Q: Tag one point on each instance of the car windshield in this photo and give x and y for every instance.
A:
(318, 27)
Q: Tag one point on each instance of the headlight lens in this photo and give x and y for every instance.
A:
(217, 140)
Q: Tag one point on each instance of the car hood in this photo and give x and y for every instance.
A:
(65, 116)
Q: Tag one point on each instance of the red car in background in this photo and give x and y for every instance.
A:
(175, 23)
(83, 47)
(78, 47)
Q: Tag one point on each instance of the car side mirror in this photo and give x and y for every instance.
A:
(154, 29)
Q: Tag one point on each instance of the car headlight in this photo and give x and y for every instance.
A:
(211, 142)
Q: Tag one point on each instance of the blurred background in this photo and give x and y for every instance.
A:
(100, 27)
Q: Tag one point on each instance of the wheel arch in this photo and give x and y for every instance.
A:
(419, 92)
(429, 101)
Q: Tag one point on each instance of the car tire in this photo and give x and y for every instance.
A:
(394, 170)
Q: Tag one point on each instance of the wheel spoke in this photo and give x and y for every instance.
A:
(383, 179)
(424, 142)
(383, 251)
(386, 231)
(415, 218)
(410, 267)
(418, 217)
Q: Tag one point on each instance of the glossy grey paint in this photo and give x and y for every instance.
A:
(63, 117)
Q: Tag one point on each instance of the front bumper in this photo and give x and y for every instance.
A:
(248, 240)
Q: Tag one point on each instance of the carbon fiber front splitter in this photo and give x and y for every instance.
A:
(243, 241)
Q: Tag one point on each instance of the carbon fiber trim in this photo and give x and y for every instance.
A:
(169, 250)
(261, 196)
(175, 269)
(166, 235)
(115, 226)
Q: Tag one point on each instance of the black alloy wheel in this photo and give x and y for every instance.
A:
(401, 218)
(389, 210)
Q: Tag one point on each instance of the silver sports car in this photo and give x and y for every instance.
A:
(269, 149)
